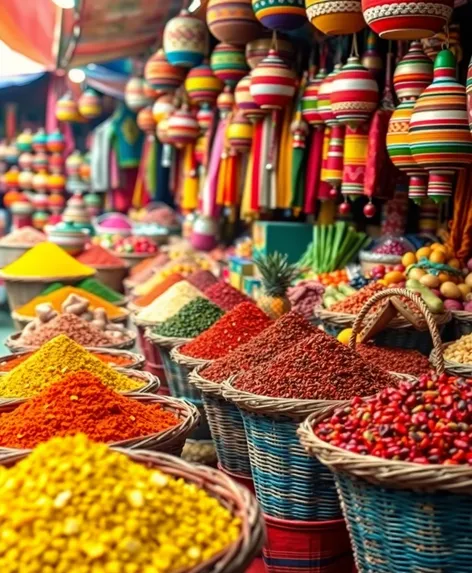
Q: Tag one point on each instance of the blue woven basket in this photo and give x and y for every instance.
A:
(289, 483)
(226, 425)
(402, 517)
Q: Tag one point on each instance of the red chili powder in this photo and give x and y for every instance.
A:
(81, 403)
(283, 334)
(225, 296)
(317, 368)
(98, 256)
(158, 289)
(236, 327)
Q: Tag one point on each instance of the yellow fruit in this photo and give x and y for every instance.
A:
(409, 259)
(424, 252)
(450, 290)
(382, 282)
(345, 335)
(437, 256)
(430, 281)
(454, 263)
(465, 289)
(393, 277)
(416, 273)
(435, 246)
(444, 277)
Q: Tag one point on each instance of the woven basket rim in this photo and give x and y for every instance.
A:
(45, 280)
(23, 318)
(166, 341)
(452, 366)
(206, 386)
(239, 555)
(379, 471)
(188, 361)
(463, 315)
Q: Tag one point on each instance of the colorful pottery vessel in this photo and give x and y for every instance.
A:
(183, 128)
(239, 133)
(272, 82)
(162, 76)
(89, 104)
(413, 73)
(225, 101)
(185, 40)
(40, 161)
(202, 86)
(25, 161)
(259, 49)
(310, 111)
(205, 117)
(25, 180)
(280, 14)
(145, 120)
(163, 107)
(232, 21)
(66, 110)
(55, 142)
(24, 142)
(40, 140)
(335, 17)
(228, 63)
(245, 101)
(135, 98)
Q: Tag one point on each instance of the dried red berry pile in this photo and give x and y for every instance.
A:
(225, 296)
(426, 422)
(395, 359)
(236, 327)
(283, 334)
(202, 279)
(317, 368)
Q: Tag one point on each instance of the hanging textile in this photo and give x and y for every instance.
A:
(460, 238)
(324, 187)
(267, 176)
(356, 142)
(313, 171)
(209, 193)
(189, 200)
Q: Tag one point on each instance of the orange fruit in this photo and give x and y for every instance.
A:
(444, 277)
(437, 256)
(424, 252)
(454, 263)
(408, 259)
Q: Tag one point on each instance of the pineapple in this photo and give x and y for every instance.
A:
(276, 276)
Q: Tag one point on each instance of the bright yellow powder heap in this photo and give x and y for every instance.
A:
(59, 356)
(76, 506)
(170, 302)
(47, 260)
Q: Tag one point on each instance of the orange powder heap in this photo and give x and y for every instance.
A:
(158, 289)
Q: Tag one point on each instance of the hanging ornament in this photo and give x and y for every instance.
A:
(149, 92)
(39, 140)
(225, 102)
(407, 20)
(413, 73)
(56, 182)
(66, 110)
(56, 163)
(40, 220)
(280, 15)
(369, 210)
(228, 63)
(93, 204)
(183, 128)
(371, 59)
(89, 104)
(299, 130)
(145, 120)
(162, 131)
(55, 142)
(11, 197)
(25, 180)
(56, 202)
(232, 21)
(40, 181)
(272, 82)
(73, 163)
(205, 117)
(469, 93)
(25, 161)
(344, 208)
(440, 140)
(21, 209)
(162, 76)
(185, 40)
(134, 94)
(335, 17)
(40, 162)
(85, 168)
(310, 111)
(162, 108)
(245, 101)
(24, 142)
(259, 49)
(201, 150)
(40, 201)
(239, 133)
(202, 86)
(11, 154)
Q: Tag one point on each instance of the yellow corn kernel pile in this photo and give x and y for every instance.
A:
(74, 506)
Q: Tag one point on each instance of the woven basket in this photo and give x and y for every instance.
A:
(112, 277)
(11, 343)
(226, 425)
(450, 366)
(21, 320)
(10, 253)
(462, 322)
(170, 441)
(238, 500)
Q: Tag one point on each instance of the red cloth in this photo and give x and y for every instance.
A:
(123, 197)
(312, 181)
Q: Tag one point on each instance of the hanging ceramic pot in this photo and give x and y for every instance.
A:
(185, 40)
(239, 133)
(413, 73)
(66, 110)
(25, 180)
(232, 21)
(280, 14)
(310, 111)
(182, 128)
(245, 101)
(272, 82)
(162, 108)
(25, 161)
(440, 139)
(205, 117)
(40, 161)
(259, 49)
(55, 142)
(145, 120)
(202, 86)
(89, 104)
(335, 17)
(228, 63)
(162, 76)
(24, 142)
(135, 98)
(225, 102)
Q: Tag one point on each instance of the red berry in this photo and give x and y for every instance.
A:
(344, 208)
(369, 210)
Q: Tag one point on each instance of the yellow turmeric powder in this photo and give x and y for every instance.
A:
(57, 297)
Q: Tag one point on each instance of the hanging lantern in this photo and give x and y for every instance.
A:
(185, 40)
(413, 73)
(355, 93)
(40, 181)
(56, 182)
(24, 142)
(225, 102)
(408, 20)
(162, 108)
(228, 63)
(398, 147)
(280, 15)
(66, 110)
(259, 49)
(145, 120)
(440, 140)
(11, 178)
(25, 161)
(205, 117)
(232, 21)
(55, 142)
(202, 86)
(310, 100)
(56, 202)
(335, 17)
(239, 133)
(73, 163)
(25, 180)
(89, 104)
(134, 94)
(40, 201)
(272, 83)
(324, 98)
(56, 163)
(183, 128)
(162, 76)
(39, 140)
(371, 59)
(40, 162)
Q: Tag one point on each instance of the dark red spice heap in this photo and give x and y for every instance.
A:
(317, 368)
(202, 279)
(395, 359)
(233, 329)
(225, 296)
(81, 403)
(284, 333)
(427, 422)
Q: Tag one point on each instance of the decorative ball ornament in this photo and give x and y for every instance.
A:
(369, 210)
(162, 131)
(40, 162)
(310, 111)
(56, 163)
(85, 169)
(225, 102)
(335, 17)
(239, 133)
(25, 180)
(183, 128)
(259, 49)
(232, 21)
(185, 40)
(344, 208)
(56, 202)
(406, 20)
(371, 59)
(134, 94)
(24, 142)
(162, 76)
(11, 197)
(440, 140)
(272, 82)
(11, 178)
(25, 161)
(162, 108)
(202, 86)
(40, 201)
(355, 93)
(40, 220)
(245, 102)
(73, 163)
(205, 117)
(56, 182)
(228, 63)
(145, 120)
(413, 73)
(280, 14)
(93, 204)
(40, 141)
(55, 142)
(66, 110)
(149, 92)
(324, 98)
(40, 181)
(89, 104)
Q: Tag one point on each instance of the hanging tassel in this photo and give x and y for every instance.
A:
(334, 164)
(313, 172)
(210, 187)
(140, 194)
(281, 196)
(190, 180)
(151, 169)
(324, 188)
(246, 210)
(256, 165)
(355, 160)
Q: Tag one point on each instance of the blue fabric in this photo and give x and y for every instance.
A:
(128, 139)
(18, 81)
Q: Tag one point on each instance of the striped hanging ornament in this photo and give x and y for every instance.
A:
(162, 76)
(185, 40)
(310, 100)
(182, 128)
(163, 107)
(371, 59)
(413, 73)
(272, 82)
(228, 63)
(239, 133)
(324, 98)
(202, 86)
(245, 101)
(356, 142)
(280, 14)
(259, 49)
(440, 140)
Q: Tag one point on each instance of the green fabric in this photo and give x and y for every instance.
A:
(127, 137)
(97, 288)
(298, 178)
(52, 288)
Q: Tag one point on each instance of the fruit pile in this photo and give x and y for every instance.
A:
(391, 246)
(334, 294)
(127, 245)
(333, 278)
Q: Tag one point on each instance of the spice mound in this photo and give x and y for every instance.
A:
(170, 302)
(354, 303)
(24, 237)
(317, 368)
(202, 279)
(95, 510)
(47, 260)
(399, 360)
(233, 329)
(77, 403)
(97, 256)
(283, 334)
(192, 319)
(59, 356)
(225, 296)
(159, 289)
(427, 422)
(460, 350)
(91, 285)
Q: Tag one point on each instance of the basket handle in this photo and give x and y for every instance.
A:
(430, 322)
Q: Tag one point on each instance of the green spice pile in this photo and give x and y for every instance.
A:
(192, 319)
(76, 506)
(91, 285)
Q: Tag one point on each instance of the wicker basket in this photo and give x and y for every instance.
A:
(21, 320)
(11, 343)
(226, 425)
(236, 558)
(10, 253)
(170, 441)
(450, 366)
(112, 277)
(462, 322)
